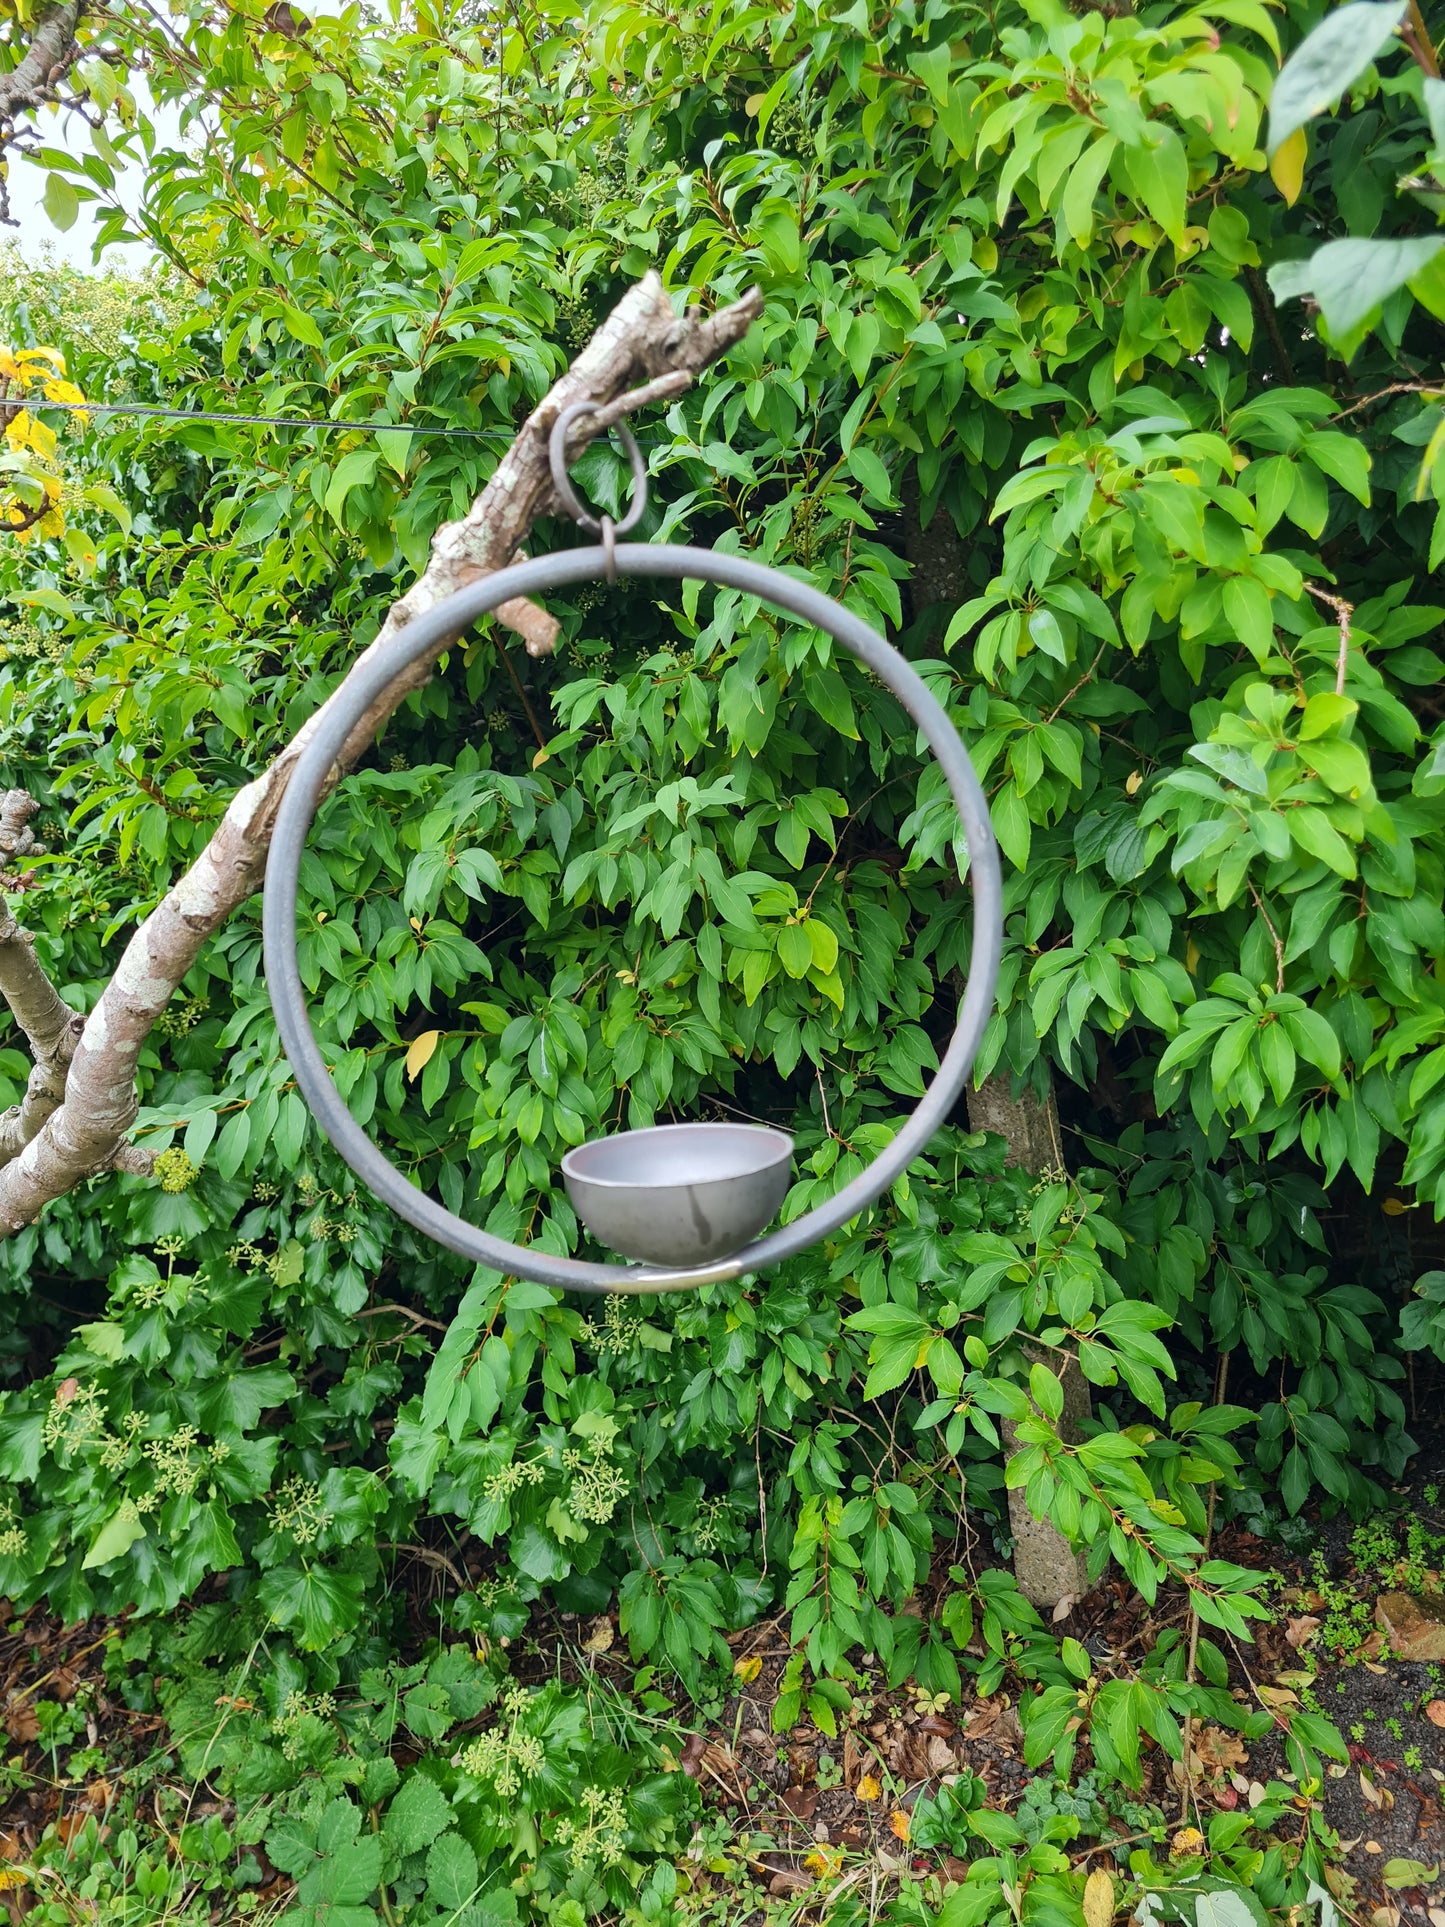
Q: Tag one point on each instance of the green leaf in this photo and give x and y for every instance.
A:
(316, 1604)
(451, 1872)
(301, 327)
(1409, 1873)
(828, 694)
(120, 1532)
(62, 203)
(352, 471)
(1327, 61)
(417, 1815)
(1350, 279)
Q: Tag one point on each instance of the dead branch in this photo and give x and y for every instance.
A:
(642, 340)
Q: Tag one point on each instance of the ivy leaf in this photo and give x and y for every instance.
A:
(314, 1602)
(120, 1532)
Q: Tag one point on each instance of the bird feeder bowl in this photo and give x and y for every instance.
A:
(690, 1203)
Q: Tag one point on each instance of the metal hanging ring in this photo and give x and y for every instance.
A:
(373, 675)
(562, 481)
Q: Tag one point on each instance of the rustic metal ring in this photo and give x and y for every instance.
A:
(562, 481)
(369, 680)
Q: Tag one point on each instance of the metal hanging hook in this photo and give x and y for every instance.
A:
(568, 496)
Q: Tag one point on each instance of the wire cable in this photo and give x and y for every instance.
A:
(266, 421)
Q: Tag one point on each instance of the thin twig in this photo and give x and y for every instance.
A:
(1343, 611)
(1278, 947)
(429, 1557)
(403, 1311)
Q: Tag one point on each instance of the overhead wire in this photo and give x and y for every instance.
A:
(37, 406)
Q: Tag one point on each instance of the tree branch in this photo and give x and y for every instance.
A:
(642, 338)
(33, 80)
(50, 1027)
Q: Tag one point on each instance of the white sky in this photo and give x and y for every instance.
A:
(27, 182)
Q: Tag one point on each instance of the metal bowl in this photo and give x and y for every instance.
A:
(680, 1194)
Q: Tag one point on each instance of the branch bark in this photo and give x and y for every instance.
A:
(642, 340)
(1048, 1569)
(50, 1026)
(34, 80)
(31, 83)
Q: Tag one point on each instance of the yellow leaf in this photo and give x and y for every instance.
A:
(868, 1788)
(1287, 166)
(1133, 783)
(1394, 1207)
(1188, 1841)
(1191, 956)
(542, 756)
(898, 1823)
(747, 1670)
(420, 1052)
(1098, 1899)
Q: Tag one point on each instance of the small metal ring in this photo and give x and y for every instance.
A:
(562, 482)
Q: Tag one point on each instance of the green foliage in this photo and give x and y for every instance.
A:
(1015, 342)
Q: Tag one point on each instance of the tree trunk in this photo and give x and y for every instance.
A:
(1048, 1569)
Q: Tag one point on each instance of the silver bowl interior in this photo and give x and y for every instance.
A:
(680, 1194)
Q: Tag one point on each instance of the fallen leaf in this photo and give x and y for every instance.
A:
(1300, 1631)
(1435, 1712)
(898, 1824)
(1065, 1606)
(1278, 1695)
(1187, 1842)
(1256, 1792)
(1437, 1916)
(940, 1758)
(694, 1746)
(747, 1670)
(1099, 1899)
(945, 1729)
(801, 1801)
(1226, 1797)
(600, 1639)
(1373, 1846)
(21, 1723)
(983, 1720)
(1219, 1751)
(1408, 1873)
(956, 1869)
(868, 1788)
(755, 1736)
(784, 1883)
(1379, 1797)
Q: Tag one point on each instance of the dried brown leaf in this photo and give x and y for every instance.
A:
(801, 1801)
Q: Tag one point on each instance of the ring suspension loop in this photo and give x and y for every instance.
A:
(442, 624)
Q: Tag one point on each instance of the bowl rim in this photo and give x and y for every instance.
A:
(782, 1154)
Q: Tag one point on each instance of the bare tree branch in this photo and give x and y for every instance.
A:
(33, 80)
(50, 1027)
(642, 338)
